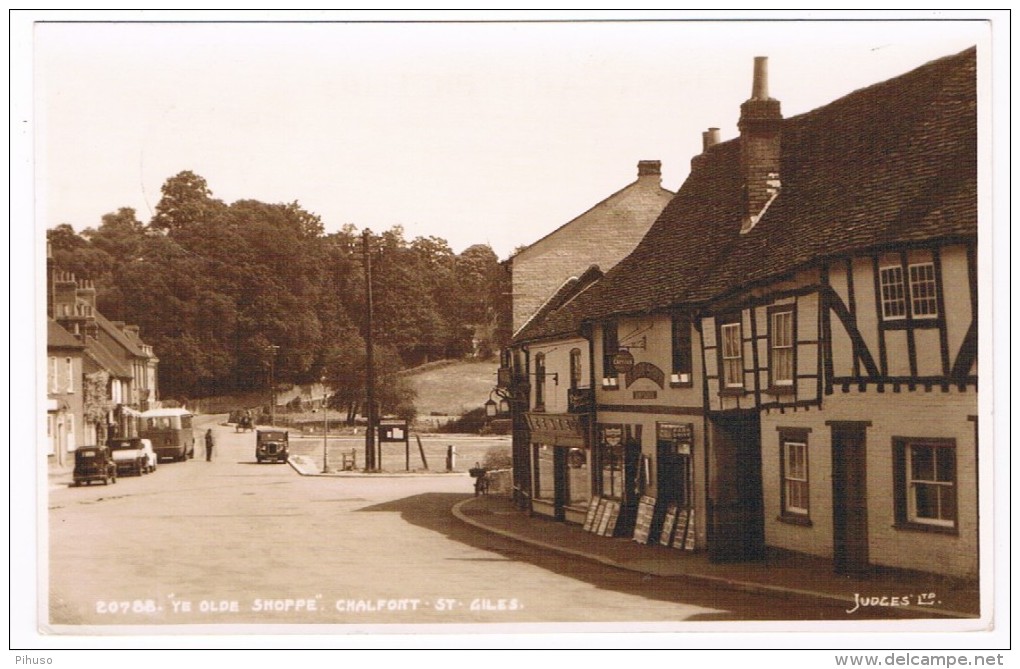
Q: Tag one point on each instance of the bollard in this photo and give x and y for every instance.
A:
(451, 458)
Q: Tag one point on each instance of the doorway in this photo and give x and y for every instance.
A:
(736, 524)
(849, 498)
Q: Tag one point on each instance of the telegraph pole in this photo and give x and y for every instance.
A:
(272, 383)
(370, 463)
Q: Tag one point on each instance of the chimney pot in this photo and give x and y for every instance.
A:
(760, 88)
(709, 138)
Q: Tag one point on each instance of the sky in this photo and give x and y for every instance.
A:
(492, 133)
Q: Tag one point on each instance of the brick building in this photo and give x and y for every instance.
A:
(788, 359)
(601, 236)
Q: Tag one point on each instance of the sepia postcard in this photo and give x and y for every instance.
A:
(535, 330)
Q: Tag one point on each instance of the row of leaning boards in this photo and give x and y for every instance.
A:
(656, 523)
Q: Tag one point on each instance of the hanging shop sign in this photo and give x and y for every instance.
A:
(623, 361)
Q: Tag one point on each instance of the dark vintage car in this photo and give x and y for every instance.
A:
(271, 445)
(94, 463)
(130, 455)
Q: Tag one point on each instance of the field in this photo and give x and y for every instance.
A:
(452, 389)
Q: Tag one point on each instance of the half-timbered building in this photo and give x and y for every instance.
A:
(791, 350)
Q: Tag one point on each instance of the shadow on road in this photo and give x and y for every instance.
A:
(432, 511)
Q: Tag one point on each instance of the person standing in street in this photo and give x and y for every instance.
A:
(208, 445)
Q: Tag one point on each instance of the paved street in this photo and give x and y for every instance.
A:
(232, 541)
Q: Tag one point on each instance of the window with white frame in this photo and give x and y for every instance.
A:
(894, 304)
(732, 356)
(795, 477)
(781, 338)
(923, 291)
(923, 298)
(926, 482)
(69, 365)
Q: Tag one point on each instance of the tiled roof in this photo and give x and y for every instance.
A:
(130, 344)
(106, 360)
(58, 337)
(570, 289)
(890, 164)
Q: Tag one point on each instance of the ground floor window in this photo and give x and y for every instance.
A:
(795, 477)
(544, 480)
(578, 478)
(610, 458)
(925, 474)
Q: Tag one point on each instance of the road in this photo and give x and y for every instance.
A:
(234, 542)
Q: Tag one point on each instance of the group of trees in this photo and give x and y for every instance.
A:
(227, 292)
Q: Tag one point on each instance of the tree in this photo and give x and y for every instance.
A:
(186, 199)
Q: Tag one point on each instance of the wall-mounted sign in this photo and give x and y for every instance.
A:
(646, 370)
(645, 394)
(675, 431)
(612, 435)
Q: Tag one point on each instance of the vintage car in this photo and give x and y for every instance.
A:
(94, 463)
(271, 445)
(129, 455)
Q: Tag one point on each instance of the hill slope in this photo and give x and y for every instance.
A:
(454, 388)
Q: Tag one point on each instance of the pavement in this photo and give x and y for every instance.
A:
(780, 573)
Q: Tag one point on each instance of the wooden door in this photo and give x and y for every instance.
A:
(849, 498)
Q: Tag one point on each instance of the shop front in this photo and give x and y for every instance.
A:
(561, 465)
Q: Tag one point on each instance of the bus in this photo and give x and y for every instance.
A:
(170, 431)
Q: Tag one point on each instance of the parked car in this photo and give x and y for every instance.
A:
(94, 463)
(272, 445)
(129, 455)
(152, 460)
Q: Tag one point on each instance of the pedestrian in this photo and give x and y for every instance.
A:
(208, 445)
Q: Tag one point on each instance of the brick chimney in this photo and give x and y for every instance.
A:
(650, 172)
(760, 123)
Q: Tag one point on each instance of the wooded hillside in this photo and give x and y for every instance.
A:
(229, 293)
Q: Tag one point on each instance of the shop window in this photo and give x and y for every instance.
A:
(544, 477)
(578, 491)
(732, 356)
(610, 459)
(681, 373)
(782, 335)
(610, 347)
(925, 479)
